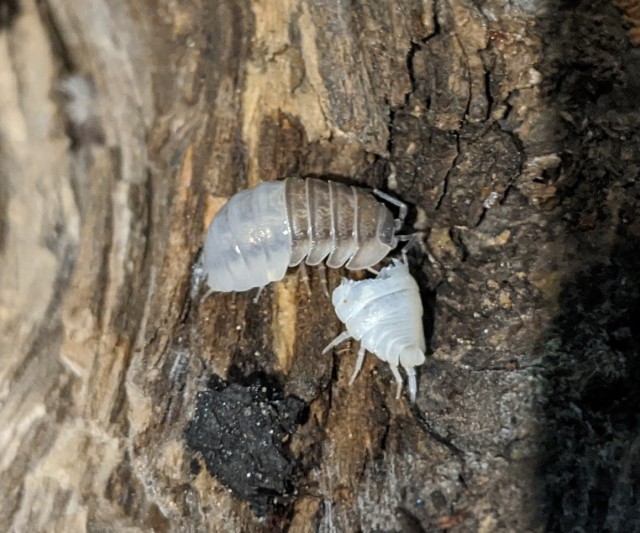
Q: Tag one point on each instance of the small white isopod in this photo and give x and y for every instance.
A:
(385, 315)
(262, 231)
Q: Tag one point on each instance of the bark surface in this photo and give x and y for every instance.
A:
(509, 126)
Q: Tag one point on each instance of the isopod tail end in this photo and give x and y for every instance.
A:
(409, 359)
(413, 384)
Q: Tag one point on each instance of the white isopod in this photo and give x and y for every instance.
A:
(385, 315)
(262, 231)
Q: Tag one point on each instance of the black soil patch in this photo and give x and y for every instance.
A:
(242, 430)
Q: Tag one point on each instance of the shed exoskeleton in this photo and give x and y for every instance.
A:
(385, 315)
(262, 231)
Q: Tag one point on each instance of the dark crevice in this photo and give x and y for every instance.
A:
(408, 522)
(60, 48)
(9, 10)
(384, 437)
(434, 435)
(333, 379)
(436, 22)
(487, 92)
(469, 80)
(457, 239)
(445, 186)
(392, 116)
(481, 217)
(522, 152)
(412, 77)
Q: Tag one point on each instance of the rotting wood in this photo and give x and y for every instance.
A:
(511, 128)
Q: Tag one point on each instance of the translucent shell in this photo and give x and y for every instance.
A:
(385, 315)
(262, 231)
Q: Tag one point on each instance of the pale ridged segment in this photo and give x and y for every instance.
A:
(319, 208)
(371, 215)
(344, 206)
(298, 216)
(345, 224)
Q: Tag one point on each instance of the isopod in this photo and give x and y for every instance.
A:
(262, 231)
(385, 315)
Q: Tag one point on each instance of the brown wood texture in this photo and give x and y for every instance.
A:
(509, 126)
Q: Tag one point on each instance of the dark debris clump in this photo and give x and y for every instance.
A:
(241, 430)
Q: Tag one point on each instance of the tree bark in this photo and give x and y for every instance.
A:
(509, 126)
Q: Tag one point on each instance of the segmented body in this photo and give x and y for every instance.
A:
(385, 315)
(262, 231)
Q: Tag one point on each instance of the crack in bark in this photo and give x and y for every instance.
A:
(487, 92)
(56, 39)
(467, 77)
(445, 186)
(434, 435)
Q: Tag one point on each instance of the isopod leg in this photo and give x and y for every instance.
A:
(394, 201)
(359, 362)
(373, 271)
(260, 289)
(323, 279)
(305, 278)
(345, 335)
(206, 295)
(413, 386)
(411, 241)
(396, 374)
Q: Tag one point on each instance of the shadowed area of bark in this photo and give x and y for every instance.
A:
(510, 127)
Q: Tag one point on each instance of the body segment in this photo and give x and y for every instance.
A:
(248, 243)
(385, 315)
(260, 232)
